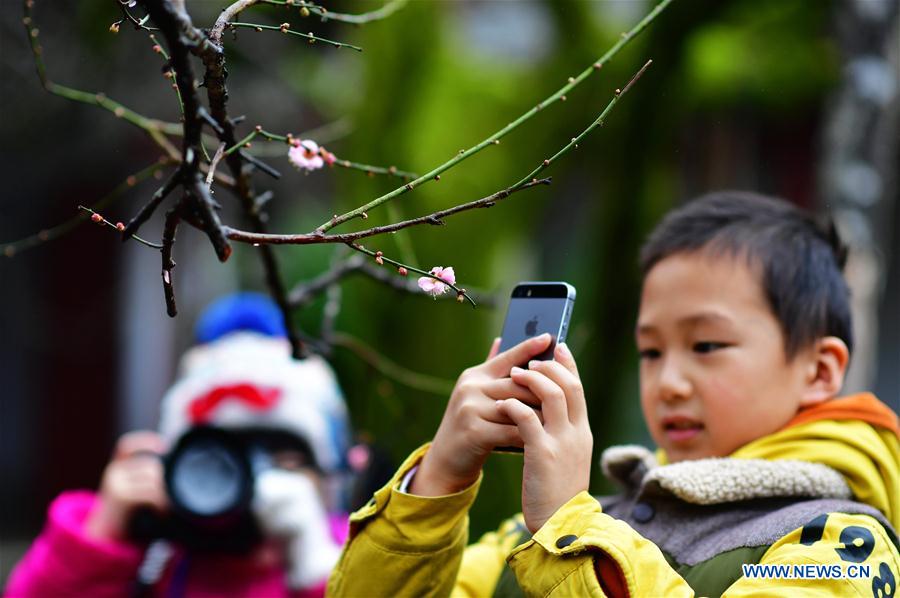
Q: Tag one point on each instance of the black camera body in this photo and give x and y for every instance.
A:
(210, 476)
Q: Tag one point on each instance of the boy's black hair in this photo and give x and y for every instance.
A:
(800, 262)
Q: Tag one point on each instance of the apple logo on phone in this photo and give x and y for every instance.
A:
(531, 326)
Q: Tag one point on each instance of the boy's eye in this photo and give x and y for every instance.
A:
(708, 346)
(649, 353)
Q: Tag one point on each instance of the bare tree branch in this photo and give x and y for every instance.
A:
(196, 205)
(435, 219)
(172, 220)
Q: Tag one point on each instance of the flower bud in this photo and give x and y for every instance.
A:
(120, 227)
(97, 217)
(114, 28)
(402, 271)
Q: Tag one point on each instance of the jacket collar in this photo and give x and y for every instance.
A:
(720, 480)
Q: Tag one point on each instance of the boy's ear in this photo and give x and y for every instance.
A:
(825, 375)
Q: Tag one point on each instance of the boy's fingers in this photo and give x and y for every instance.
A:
(488, 412)
(505, 434)
(500, 365)
(563, 355)
(505, 388)
(495, 348)
(569, 382)
(552, 397)
(497, 431)
(524, 417)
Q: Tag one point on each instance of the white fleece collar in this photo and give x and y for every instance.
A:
(721, 480)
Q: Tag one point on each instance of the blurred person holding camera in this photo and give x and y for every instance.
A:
(242, 492)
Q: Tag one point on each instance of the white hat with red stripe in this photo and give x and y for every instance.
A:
(244, 377)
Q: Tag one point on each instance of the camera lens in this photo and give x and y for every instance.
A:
(209, 476)
(207, 480)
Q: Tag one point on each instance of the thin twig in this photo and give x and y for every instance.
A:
(392, 369)
(495, 138)
(303, 294)
(138, 23)
(286, 29)
(154, 128)
(215, 34)
(314, 238)
(14, 248)
(99, 219)
(576, 140)
(212, 165)
(272, 172)
(244, 144)
(379, 256)
(358, 19)
(373, 170)
(158, 48)
(306, 292)
(147, 209)
(410, 285)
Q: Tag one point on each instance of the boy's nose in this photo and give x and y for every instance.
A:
(674, 385)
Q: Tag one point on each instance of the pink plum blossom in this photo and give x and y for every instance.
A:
(434, 287)
(304, 155)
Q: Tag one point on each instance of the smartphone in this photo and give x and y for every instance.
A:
(536, 308)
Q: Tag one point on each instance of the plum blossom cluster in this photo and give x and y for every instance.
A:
(307, 155)
(434, 287)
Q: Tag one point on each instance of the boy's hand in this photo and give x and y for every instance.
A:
(134, 478)
(472, 426)
(557, 453)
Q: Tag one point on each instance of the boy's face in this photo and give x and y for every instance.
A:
(713, 373)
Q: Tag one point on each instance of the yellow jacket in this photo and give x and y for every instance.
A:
(782, 501)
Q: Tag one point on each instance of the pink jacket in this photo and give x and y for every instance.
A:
(64, 561)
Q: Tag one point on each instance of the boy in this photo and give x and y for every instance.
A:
(744, 335)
